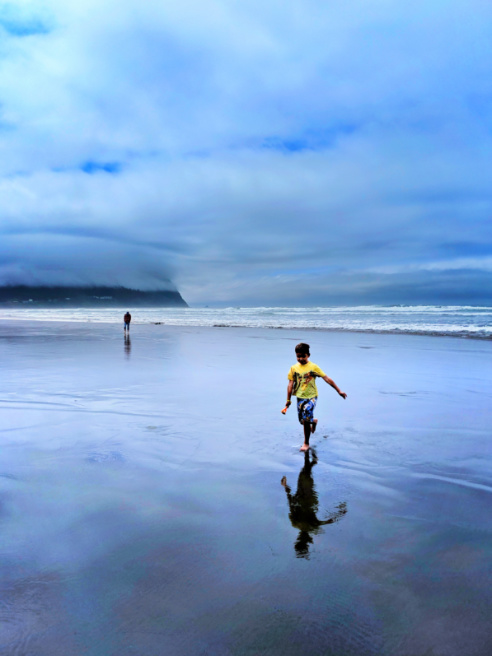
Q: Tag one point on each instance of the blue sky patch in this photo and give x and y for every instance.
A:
(310, 140)
(91, 167)
(17, 23)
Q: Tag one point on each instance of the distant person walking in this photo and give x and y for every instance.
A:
(126, 321)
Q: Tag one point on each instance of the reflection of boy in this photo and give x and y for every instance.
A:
(302, 384)
(303, 508)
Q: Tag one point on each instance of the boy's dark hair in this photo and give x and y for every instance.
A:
(302, 349)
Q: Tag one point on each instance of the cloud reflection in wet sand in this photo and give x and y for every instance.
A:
(142, 510)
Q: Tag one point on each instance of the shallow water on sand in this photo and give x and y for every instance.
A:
(142, 509)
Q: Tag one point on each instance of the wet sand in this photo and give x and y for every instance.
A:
(142, 510)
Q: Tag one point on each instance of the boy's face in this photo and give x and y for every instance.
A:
(302, 358)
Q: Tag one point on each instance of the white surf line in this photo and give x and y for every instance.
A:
(455, 481)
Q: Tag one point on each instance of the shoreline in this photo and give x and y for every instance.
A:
(362, 331)
(367, 331)
(141, 485)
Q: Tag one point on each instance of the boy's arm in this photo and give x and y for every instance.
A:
(335, 386)
(289, 394)
(290, 387)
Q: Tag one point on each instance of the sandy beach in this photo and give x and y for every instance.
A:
(142, 511)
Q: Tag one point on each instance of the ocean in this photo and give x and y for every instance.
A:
(444, 320)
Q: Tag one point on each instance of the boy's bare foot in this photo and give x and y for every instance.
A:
(283, 481)
(313, 425)
(304, 447)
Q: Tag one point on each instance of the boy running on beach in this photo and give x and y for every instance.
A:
(302, 383)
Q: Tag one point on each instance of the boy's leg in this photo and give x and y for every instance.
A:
(310, 421)
(307, 435)
(305, 409)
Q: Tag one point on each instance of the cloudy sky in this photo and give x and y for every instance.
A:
(252, 152)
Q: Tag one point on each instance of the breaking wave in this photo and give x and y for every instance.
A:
(445, 320)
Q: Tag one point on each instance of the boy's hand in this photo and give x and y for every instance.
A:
(343, 395)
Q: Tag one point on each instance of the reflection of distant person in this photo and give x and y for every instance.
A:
(128, 344)
(303, 508)
(302, 383)
(126, 321)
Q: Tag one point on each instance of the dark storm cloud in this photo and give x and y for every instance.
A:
(252, 153)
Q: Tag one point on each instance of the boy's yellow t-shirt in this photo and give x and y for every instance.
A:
(304, 377)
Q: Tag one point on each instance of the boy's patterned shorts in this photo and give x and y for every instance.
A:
(305, 409)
